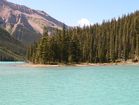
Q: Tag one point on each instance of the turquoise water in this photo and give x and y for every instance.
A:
(104, 85)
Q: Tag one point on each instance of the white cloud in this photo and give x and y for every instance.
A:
(84, 22)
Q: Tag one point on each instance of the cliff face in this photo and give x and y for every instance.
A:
(25, 24)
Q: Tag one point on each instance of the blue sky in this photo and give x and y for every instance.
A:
(72, 11)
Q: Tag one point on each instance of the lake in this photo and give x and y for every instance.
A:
(100, 85)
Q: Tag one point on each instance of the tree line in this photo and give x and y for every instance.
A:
(110, 41)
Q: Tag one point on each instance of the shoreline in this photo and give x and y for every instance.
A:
(79, 65)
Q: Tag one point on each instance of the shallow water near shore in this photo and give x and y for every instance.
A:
(90, 85)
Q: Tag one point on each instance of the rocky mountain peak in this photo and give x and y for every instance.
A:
(24, 23)
(2, 1)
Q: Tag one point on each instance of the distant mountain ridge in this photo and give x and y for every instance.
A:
(23, 23)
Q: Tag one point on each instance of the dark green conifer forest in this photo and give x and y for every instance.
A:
(110, 41)
(10, 48)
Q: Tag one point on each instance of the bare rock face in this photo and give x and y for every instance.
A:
(23, 23)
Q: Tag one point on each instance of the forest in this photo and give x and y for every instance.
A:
(10, 48)
(111, 41)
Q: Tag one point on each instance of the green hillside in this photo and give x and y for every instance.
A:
(10, 48)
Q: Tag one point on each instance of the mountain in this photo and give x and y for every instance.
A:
(23, 23)
(10, 48)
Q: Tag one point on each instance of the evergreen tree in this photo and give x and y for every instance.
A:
(107, 42)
